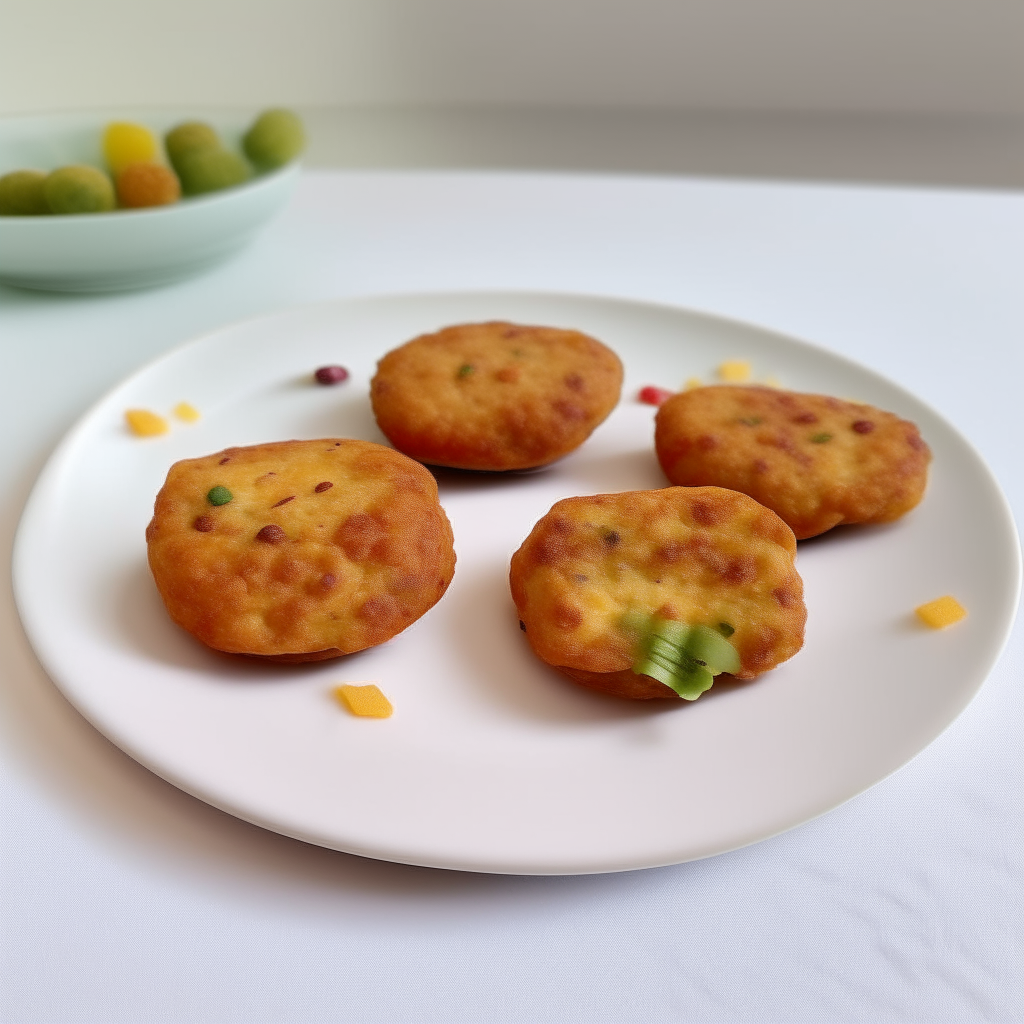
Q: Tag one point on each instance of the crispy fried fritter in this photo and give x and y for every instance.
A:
(814, 460)
(494, 396)
(299, 550)
(696, 555)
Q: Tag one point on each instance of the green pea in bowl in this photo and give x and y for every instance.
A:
(127, 248)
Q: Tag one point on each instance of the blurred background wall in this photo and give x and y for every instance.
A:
(929, 90)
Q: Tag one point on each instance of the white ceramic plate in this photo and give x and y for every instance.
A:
(126, 249)
(491, 761)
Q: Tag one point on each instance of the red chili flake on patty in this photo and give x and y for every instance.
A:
(204, 524)
(227, 458)
(331, 375)
(863, 426)
(272, 534)
(324, 485)
(654, 396)
(283, 501)
(328, 580)
(805, 417)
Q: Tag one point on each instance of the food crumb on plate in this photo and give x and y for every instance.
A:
(187, 413)
(330, 375)
(144, 423)
(652, 395)
(364, 700)
(734, 371)
(692, 383)
(942, 612)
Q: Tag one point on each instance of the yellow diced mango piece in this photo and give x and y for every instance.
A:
(366, 701)
(734, 371)
(144, 423)
(941, 612)
(693, 382)
(125, 144)
(186, 412)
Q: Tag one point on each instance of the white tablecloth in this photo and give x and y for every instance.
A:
(127, 901)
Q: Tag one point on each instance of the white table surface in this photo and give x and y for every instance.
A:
(126, 900)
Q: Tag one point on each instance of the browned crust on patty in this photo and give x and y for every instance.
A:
(625, 683)
(817, 461)
(494, 395)
(699, 555)
(298, 659)
(326, 547)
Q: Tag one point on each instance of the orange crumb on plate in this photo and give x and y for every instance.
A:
(186, 412)
(144, 423)
(366, 701)
(734, 371)
(941, 612)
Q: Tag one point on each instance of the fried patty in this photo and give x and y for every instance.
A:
(703, 556)
(299, 550)
(816, 461)
(494, 396)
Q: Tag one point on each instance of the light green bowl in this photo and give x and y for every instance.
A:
(126, 249)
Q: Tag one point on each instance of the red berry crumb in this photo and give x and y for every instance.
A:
(653, 396)
(331, 375)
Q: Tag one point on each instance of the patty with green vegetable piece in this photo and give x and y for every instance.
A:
(815, 460)
(651, 594)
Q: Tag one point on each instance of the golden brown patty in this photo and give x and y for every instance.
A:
(495, 395)
(697, 555)
(816, 461)
(299, 550)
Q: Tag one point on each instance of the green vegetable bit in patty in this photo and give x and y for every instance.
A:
(684, 658)
(219, 495)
